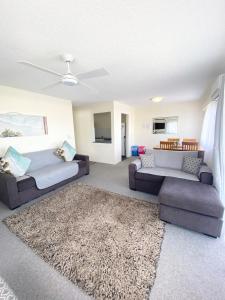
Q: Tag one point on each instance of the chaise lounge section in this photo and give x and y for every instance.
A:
(192, 205)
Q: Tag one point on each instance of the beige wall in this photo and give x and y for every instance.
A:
(59, 117)
(190, 116)
(60, 123)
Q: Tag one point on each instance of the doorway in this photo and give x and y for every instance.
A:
(124, 127)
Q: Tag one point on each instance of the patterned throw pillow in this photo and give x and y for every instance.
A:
(15, 163)
(67, 152)
(60, 152)
(147, 161)
(4, 166)
(191, 164)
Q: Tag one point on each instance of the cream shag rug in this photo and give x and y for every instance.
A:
(105, 243)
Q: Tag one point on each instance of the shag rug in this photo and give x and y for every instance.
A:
(105, 243)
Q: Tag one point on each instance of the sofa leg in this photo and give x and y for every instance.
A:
(212, 236)
(133, 189)
(166, 221)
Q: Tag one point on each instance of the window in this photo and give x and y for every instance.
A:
(171, 125)
(102, 126)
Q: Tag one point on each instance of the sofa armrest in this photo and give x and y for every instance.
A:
(84, 158)
(81, 157)
(137, 164)
(8, 190)
(205, 175)
(133, 167)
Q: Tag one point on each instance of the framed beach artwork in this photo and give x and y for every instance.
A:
(17, 125)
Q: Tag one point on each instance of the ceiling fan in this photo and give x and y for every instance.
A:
(69, 79)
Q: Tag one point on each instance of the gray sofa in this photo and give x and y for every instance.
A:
(46, 170)
(185, 199)
(167, 163)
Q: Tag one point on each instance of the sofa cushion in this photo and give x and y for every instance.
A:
(168, 172)
(53, 174)
(170, 159)
(192, 196)
(191, 165)
(40, 159)
(26, 182)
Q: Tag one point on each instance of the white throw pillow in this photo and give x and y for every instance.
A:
(191, 164)
(147, 160)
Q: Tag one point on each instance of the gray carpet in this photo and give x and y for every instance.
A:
(191, 265)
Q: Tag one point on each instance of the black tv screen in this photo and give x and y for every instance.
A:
(159, 126)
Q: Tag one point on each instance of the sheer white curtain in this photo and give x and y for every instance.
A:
(219, 141)
(213, 136)
(208, 132)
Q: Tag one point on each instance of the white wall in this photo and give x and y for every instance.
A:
(84, 132)
(121, 108)
(190, 116)
(59, 118)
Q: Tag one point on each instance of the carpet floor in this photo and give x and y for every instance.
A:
(191, 265)
(107, 244)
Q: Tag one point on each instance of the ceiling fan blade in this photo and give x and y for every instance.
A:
(29, 64)
(51, 85)
(93, 90)
(92, 74)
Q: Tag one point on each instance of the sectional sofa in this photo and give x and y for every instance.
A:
(54, 172)
(185, 199)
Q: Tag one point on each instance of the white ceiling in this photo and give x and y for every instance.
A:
(150, 47)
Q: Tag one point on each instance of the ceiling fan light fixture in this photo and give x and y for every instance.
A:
(69, 80)
(156, 99)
